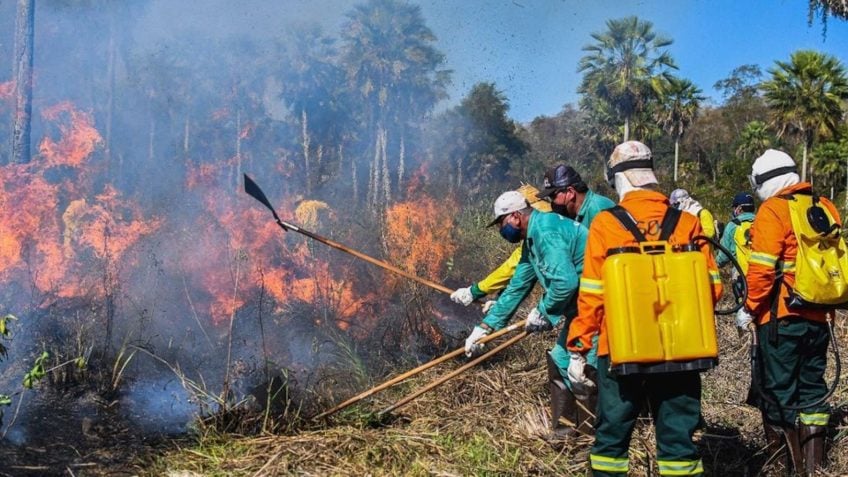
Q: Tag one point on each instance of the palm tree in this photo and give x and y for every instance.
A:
(806, 97)
(625, 66)
(679, 102)
(392, 67)
(754, 139)
(837, 8)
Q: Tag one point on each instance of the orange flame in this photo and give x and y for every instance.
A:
(417, 237)
(246, 245)
(52, 233)
(79, 137)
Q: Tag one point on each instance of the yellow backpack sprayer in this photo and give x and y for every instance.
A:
(821, 282)
(658, 302)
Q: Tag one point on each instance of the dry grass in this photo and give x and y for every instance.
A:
(492, 421)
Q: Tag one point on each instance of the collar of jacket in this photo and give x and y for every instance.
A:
(794, 189)
(642, 195)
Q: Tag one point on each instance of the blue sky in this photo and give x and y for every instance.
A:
(530, 48)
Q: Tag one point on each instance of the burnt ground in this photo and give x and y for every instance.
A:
(78, 433)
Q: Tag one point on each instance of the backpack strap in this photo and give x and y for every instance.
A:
(627, 221)
(669, 222)
(737, 221)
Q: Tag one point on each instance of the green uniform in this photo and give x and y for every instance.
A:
(675, 400)
(727, 239)
(552, 254)
(792, 363)
(592, 205)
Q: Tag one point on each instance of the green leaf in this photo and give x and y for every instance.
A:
(4, 324)
(5, 400)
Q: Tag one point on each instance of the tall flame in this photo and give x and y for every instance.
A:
(54, 230)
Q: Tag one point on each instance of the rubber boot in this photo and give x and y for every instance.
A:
(774, 450)
(812, 446)
(586, 410)
(793, 443)
(563, 403)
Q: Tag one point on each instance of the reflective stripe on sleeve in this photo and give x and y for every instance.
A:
(814, 419)
(608, 464)
(680, 467)
(589, 285)
(761, 258)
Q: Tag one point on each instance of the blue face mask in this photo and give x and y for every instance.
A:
(510, 233)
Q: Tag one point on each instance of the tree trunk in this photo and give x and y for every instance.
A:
(24, 38)
(626, 128)
(186, 134)
(110, 95)
(151, 139)
(400, 164)
(676, 157)
(237, 178)
(372, 180)
(804, 167)
(387, 181)
(304, 122)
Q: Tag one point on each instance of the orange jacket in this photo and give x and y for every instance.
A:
(647, 208)
(773, 246)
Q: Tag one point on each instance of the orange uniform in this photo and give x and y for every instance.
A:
(774, 247)
(647, 208)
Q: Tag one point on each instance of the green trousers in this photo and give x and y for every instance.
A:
(675, 400)
(793, 358)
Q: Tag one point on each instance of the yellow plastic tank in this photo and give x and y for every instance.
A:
(658, 305)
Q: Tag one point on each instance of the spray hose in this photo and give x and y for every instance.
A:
(740, 293)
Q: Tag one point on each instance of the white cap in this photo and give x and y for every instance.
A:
(508, 202)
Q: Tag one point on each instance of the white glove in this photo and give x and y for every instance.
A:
(472, 347)
(488, 305)
(743, 319)
(462, 296)
(536, 322)
(581, 385)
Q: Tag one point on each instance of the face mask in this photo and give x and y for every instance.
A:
(510, 233)
(560, 209)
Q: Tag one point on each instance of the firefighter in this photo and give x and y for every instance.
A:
(793, 341)
(552, 254)
(499, 277)
(570, 196)
(737, 237)
(675, 397)
(681, 200)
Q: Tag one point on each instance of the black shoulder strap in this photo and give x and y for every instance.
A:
(627, 221)
(669, 222)
(737, 221)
